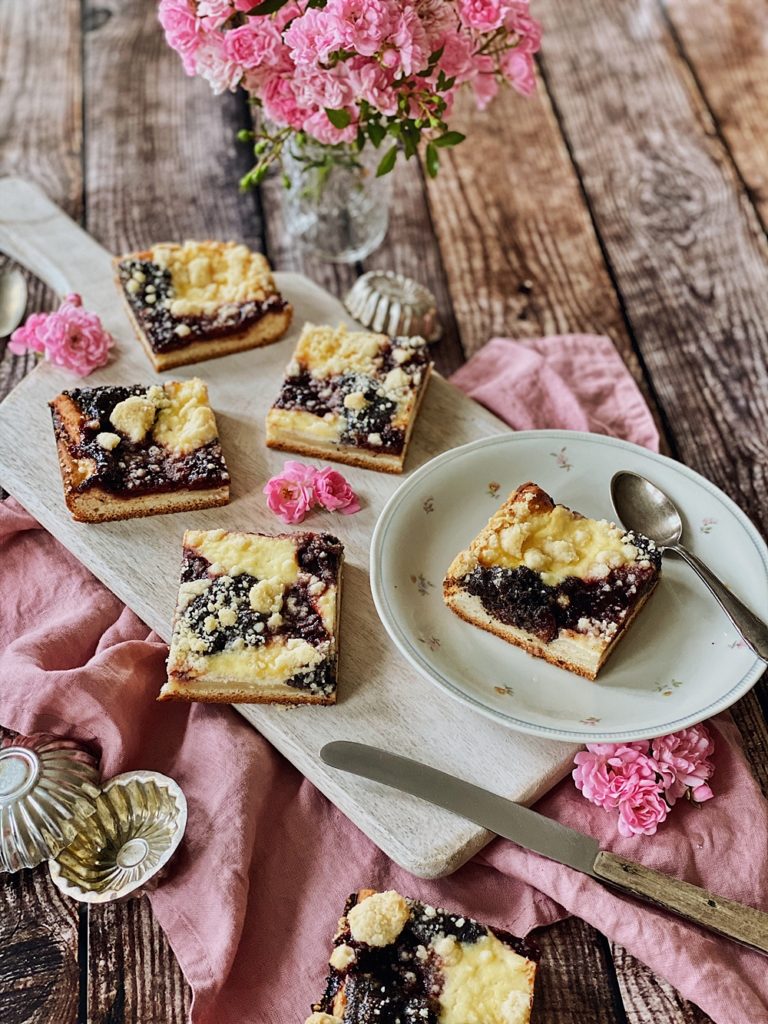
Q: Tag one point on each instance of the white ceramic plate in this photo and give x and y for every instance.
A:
(680, 662)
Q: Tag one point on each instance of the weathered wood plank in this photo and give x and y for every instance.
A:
(133, 976)
(40, 139)
(39, 974)
(684, 245)
(41, 112)
(575, 983)
(646, 997)
(727, 48)
(161, 158)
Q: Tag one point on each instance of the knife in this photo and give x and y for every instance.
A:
(549, 838)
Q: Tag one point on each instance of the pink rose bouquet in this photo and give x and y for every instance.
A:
(348, 73)
(643, 780)
(300, 488)
(70, 337)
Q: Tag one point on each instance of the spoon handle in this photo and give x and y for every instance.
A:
(752, 629)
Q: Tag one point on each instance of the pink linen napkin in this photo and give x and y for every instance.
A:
(254, 893)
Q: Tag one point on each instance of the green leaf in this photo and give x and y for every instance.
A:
(433, 160)
(267, 7)
(376, 133)
(449, 139)
(338, 118)
(387, 162)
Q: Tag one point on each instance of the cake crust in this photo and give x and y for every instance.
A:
(552, 582)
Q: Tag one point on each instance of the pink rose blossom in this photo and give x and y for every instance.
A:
(289, 498)
(70, 337)
(519, 70)
(485, 83)
(608, 777)
(643, 811)
(181, 30)
(300, 488)
(481, 15)
(221, 73)
(645, 778)
(253, 44)
(213, 13)
(682, 761)
(334, 493)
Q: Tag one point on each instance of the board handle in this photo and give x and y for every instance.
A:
(737, 921)
(35, 232)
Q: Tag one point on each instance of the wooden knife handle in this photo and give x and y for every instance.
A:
(735, 920)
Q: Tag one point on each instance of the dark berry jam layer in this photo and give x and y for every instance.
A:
(518, 597)
(148, 304)
(136, 468)
(395, 982)
(299, 617)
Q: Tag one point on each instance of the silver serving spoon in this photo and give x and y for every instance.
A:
(13, 300)
(644, 508)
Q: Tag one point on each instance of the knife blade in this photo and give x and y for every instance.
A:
(542, 835)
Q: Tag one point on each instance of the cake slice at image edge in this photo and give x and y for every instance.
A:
(553, 582)
(257, 619)
(400, 959)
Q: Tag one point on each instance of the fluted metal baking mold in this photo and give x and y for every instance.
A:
(139, 822)
(390, 303)
(48, 788)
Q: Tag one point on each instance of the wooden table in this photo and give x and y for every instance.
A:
(628, 197)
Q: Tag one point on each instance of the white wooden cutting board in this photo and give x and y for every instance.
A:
(382, 700)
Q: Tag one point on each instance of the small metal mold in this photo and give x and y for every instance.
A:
(48, 788)
(390, 303)
(139, 822)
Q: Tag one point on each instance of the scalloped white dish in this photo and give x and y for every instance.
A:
(681, 660)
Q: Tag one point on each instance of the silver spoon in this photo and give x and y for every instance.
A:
(642, 507)
(13, 300)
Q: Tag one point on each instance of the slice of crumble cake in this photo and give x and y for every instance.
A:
(397, 959)
(257, 619)
(351, 396)
(563, 587)
(138, 451)
(200, 300)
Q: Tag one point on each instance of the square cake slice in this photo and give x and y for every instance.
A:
(563, 587)
(257, 619)
(350, 396)
(200, 300)
(138, 451)
(397, 959)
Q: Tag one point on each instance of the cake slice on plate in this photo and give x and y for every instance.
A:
(257, 619)
(350, 396)
(399, 959)
(200, 300)
(563, 587)
(138, 451)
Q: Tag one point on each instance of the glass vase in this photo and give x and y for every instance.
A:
(335, 206)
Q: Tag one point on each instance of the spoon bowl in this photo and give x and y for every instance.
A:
(643, 508)
(13, 300)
